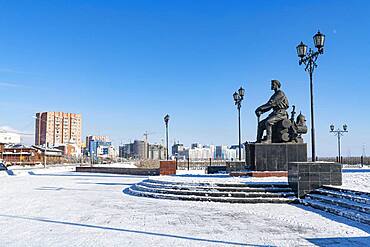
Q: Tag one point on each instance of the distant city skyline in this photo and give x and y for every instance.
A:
(124, 65)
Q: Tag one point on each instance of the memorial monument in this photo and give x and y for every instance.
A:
(283, 142)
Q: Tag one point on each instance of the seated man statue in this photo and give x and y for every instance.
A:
(279, 104)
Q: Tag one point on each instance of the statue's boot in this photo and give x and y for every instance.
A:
(268, 139)
(259, 133)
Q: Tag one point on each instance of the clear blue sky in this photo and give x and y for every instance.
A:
(125, 64)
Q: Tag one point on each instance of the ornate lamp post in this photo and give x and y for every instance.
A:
(238, 98)
(166, 119)
(338, 133)
(309, 59)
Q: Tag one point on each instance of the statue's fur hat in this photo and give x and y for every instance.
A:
(277, 83)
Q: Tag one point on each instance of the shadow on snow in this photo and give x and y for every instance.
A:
(334, 217)
(126, 184)
(128, 230)
(343, 241)
(351, 170)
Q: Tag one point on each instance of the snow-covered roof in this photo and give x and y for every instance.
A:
(16, 153)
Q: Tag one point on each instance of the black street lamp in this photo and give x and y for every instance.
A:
(166, 119)
(338, 133)
(238, 98)
(309, 59)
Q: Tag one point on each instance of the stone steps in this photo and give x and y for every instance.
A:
(342, 202)
(214, 193)
(347, 203)
(249, 185)
(232, 193)
(360, 198)
(215, 188)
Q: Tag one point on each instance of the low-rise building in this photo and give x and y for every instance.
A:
(18, 154)
(69, 150)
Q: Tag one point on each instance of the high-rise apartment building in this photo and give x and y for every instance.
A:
(54, 128)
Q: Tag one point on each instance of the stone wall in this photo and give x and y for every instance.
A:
(304, 177)
(117, 170)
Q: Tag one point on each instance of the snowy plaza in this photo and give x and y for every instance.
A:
(59, 207)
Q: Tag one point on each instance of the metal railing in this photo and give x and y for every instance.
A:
(359, 160)
(189, 164)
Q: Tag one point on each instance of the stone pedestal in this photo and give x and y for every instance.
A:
(275, 156)
(304, 177)
(167, 167)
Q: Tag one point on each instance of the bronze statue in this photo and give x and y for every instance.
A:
(279, 104)
(299, 127)
(279, 128)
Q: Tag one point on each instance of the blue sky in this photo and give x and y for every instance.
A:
(125, 64)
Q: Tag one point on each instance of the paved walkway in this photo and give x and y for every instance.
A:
(74, 209)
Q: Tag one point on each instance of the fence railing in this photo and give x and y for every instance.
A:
(359, 160)
(189, 164)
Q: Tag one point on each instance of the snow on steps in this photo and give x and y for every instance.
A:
(214, 193)
(232, 193)
(215, 188)
(354, 205)
(357, 196)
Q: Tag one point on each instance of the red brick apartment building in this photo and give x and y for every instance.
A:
(55, 128)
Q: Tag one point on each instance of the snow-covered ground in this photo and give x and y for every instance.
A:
(85, 209)
(30, 170)
(356, 179)
(41, 166)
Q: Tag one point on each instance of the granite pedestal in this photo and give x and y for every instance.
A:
(304, 177)
(274, 156)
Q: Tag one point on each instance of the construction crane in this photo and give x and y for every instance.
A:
(146, 133)
(146, 148)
